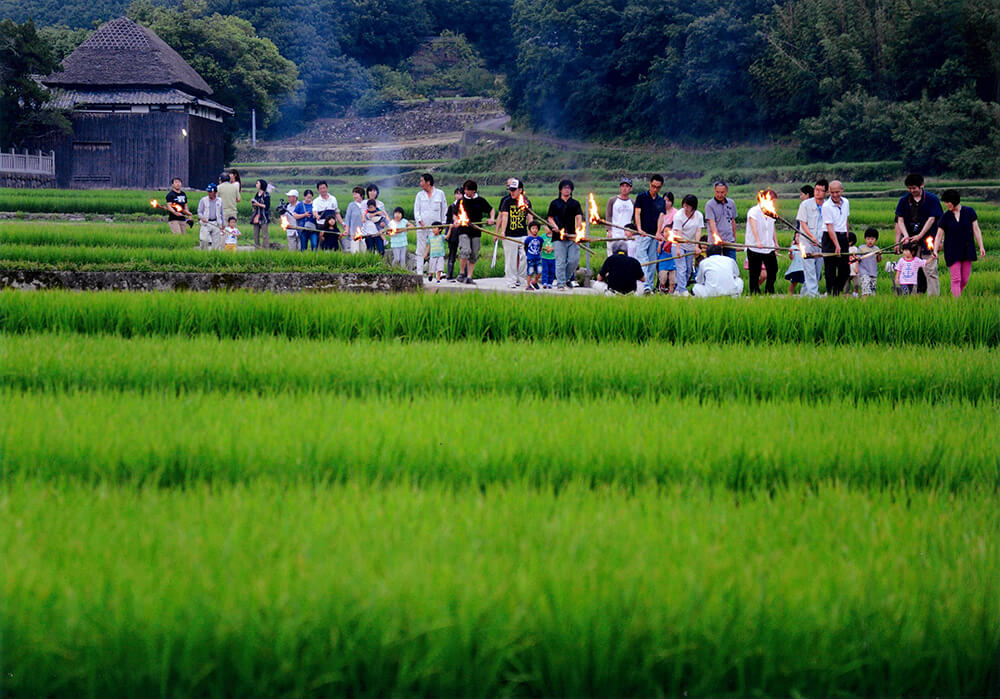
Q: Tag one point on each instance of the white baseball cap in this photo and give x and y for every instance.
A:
(292, 193)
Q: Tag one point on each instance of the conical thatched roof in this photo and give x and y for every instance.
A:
(121, 54)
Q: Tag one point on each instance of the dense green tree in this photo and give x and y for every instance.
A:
(62, 40)
(244, 70)
(25, 113)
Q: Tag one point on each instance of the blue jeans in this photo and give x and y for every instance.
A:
(645, 248)
(375, 243)
(730, 253)
(685, 265)
(308, 239)
(812, 270)
(548, 271)
(567, 260)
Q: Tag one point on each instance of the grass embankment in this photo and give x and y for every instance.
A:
(186, 260)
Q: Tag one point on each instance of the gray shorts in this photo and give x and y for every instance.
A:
(468, 248)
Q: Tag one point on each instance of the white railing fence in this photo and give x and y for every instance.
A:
(28, 164)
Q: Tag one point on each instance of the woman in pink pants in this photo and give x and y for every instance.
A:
(958, 233)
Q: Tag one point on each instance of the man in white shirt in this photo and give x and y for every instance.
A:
(619, 212)
(718, 275)
(810, 220)
(429, 206)
(836, 224)
(326, 202)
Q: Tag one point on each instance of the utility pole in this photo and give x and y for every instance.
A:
(253, 126)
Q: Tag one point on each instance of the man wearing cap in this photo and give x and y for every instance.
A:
(292, 234)
(513, 224)
(917, 214)
(720, 215)
(648, 208)
(565, 214)
(212, 219)
(429, 207)
(620, 212)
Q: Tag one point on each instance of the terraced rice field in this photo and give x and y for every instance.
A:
(231, 494)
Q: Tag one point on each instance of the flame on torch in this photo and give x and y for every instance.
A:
(284, 223)
(392, 225)
(930, 243)
(593, 215)
(463, 218)
(522, 203)
(802, 248)
(716, 238)
(154, 203)
(581, 232)
(766, 202)
(357, 233)
(562, 234)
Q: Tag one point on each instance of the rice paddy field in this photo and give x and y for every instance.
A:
(236, 494)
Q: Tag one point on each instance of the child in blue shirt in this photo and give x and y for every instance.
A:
(398, 237)
(533, 256)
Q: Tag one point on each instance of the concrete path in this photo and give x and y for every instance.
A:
(498, 285)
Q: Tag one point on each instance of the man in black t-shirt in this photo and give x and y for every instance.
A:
(648, 208)
(620, 271)
(180, 215)
(513, 224)
(469, 238)
(565, 214)
(451, 234)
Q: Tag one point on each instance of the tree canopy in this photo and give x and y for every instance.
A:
(24, 111)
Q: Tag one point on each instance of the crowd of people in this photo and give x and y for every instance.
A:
(652, 245)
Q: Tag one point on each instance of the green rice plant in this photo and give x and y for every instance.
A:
(179, 438)
(93, 235)
(161, 259)
(883, 320)
(267, 590)
(514, 370)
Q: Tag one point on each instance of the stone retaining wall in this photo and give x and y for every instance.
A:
(279, 282)
(21, 181)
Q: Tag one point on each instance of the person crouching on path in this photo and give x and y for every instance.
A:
(620, 272)
(212, 220)
(718, 275)
(565, 214)
(469, 238)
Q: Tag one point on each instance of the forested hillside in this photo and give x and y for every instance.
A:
(846, 78)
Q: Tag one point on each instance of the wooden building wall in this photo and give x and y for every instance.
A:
(206, 151)
(138, 151)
